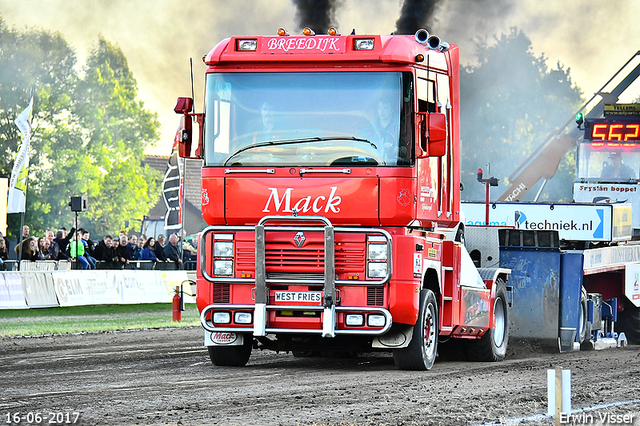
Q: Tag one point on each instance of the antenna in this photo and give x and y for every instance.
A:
(193, 96)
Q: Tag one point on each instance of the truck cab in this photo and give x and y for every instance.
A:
(330, 171)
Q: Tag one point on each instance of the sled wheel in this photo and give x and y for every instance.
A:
(422, 350)
(584, 323)
(493, 345)
(231, 356)
(630, 323)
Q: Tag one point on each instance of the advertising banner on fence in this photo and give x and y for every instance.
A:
(76, 288)
(39, 289)
(11, 292)
(139, 286)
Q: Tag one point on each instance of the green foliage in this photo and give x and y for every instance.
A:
(510, 102)
(89, 132)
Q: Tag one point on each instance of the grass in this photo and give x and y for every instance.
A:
(78, 319)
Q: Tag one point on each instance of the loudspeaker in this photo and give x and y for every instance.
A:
(78, 204)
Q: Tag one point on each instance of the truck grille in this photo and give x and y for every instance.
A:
(375, 296)
(220, 293)
(283, 258)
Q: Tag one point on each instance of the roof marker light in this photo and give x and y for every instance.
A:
(308, 31)
(333, 31)
(282, 32)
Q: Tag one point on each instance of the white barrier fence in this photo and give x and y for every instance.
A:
(38, 289)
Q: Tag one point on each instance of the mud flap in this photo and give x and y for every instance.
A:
(222, 338)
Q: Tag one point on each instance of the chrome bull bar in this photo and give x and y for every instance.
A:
(261, 281)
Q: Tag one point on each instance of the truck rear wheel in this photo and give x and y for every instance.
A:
(231, 356)
(422, 350)
(493, 345)
(630, 323)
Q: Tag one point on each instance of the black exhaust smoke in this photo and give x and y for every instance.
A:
(416, 14)
(316, 14)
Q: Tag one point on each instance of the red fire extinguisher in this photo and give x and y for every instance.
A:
(177, 312)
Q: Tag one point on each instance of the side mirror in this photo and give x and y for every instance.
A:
(434, 134)
(185, 106)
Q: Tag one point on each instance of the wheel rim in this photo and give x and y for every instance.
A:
(498, 323)
(429, 331)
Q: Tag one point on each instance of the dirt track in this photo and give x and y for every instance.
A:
(165, 377)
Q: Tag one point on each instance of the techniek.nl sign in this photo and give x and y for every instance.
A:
(573, 222)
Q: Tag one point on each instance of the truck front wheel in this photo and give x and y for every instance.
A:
(493, 345)
(231, 356)
(422, 350)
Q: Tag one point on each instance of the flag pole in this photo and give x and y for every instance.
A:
(20, 236)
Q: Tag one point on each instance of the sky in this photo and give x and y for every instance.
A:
(593, 38)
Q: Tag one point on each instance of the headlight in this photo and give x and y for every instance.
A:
(223, 267)
(247, 45)
(221, 317)
(223, 249)
(376, 320)
(378, 251)
(377, 270)
(242, 318)
(364, 44)
(355, 320)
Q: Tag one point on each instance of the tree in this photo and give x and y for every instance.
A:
(510, 102)
(89, 132)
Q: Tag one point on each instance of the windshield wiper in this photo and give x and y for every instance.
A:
(302, 140)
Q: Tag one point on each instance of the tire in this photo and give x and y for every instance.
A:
(492, 346)
(231, 356)
(423, 348)
(584, 322)
(630, 323)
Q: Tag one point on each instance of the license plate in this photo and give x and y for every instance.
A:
(298, 296)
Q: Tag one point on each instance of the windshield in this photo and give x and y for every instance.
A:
(307, 119)
(608, 162)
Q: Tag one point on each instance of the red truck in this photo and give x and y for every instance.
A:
(331, 184)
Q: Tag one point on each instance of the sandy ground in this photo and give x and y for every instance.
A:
(164, 377)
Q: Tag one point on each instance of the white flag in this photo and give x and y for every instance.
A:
(18, 182)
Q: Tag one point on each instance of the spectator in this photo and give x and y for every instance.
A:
(148, 253)
(141, 241)
(159, 248)
(189, 253)
(132, 248)
(104, 252)
(43, 249)
(62, 238)
(19, 240)
(90, 259)
(120, 251)
(54, 250)
(4, 254)
(91, 245)
(78, 253)
(29, 249)
(171, 250)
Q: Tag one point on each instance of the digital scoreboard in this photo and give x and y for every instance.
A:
(606, 129)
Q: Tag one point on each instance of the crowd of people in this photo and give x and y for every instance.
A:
(119, 251)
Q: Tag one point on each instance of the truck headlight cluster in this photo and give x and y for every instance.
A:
(223, 253)
(377, 256)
